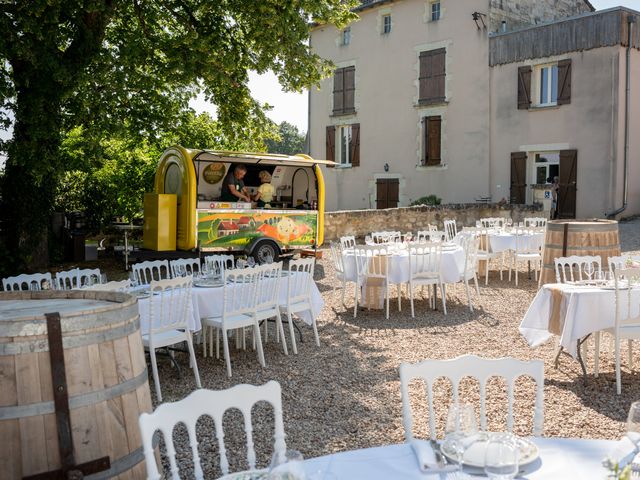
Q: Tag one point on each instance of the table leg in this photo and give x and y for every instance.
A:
(126, 251)
(580, 359)
(529, 268)
(435, 297)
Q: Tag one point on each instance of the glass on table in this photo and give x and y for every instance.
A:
(287, 466)
(501, 458)
(633, 420)
(133, 279)
(461, 425)
(251, 262)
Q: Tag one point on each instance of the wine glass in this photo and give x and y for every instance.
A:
(286, 466)
(461, 424)
(589, 270)
(633, 422)
(133, 279)
(501, 456)
(241, 263)
(251, 262)
(368, 240)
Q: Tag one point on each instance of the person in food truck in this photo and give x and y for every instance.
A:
(233, 189)
(265, 190)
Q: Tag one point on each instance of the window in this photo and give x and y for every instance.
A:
(343, 144)
(346, 36)
(432, 76)
(386, 24)
(544, 85)
(432, 141)
(344, 91)
(435, 11)
(548, 77)
(546, 166)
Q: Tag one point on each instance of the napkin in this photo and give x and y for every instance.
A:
(625, 449)
(427, 458)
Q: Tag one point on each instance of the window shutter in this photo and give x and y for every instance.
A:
(331, 144)
(355, 145)
(432, 76)
(425, 141)
(524, 88)
(518, 177)
(422, 79)
(338, 91)
(564, 82)
(434, 139)
(567, 184)
(349, 84)
(438, 64)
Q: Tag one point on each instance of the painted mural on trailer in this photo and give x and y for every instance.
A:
(239, 228)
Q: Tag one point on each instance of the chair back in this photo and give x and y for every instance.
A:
(218, 264)
(493, 222)
(240, 291)
(432, 228)
(535, 222)
(33, 281)
(213, 404)
(268, 285)
(181, 267)
(451, 229)
(386, 237)
(300, 280)
(623, 261)
(527, 241)
(431, 236)
(68, 279)
(571, 269)
(476, 367)
(627, 281)
(372, 261)
(347, 242)
(89, 276)
(470, 244)
(114, 286)
(169, 304)
(424, 260)
(336, 256)
(145, 272)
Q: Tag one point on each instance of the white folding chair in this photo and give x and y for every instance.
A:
(530, 222)
(347, 242)
(572, 269)
(25, 281)
(479, 368)
(145, 272)
(623, 261)
(338, 265)
(218, 264)
(89, 276)
(113, 286)
(181, 267)
(451, 229)
(528, 249)
(268, 298)
(299, 283)
(67, 280)
(470, 269)
(424, 270)
(485, 254)
(431, 236)
(167, 323)
(372, 270)
(238, 311)
(627, 324)
(213, 404)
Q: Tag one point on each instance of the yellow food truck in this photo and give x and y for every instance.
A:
(187, 210)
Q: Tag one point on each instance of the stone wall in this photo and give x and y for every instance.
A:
(411, 219)
(522, 13)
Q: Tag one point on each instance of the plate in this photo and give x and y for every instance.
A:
(246, 475)
(474, 455)
(208, 283)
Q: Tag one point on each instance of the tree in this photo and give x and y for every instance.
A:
(291, 140)
(114, 65)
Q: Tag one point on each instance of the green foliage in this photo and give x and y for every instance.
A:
(428, 200)
(291, 140)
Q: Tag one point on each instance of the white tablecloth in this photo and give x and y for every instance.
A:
(560, 459)
(503, 241)
(451, 264)
(588, 310)
(208, 302)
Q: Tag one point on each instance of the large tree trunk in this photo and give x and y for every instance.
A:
(31, 173)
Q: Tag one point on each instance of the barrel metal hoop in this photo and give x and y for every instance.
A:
(17, 348)
(78, 401)
(581, 248)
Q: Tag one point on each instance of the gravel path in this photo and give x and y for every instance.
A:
(345, 394)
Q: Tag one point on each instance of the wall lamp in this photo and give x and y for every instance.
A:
(479, 17)
(386, 167)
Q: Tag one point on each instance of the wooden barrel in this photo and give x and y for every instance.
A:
(564, 238)
(106, 379)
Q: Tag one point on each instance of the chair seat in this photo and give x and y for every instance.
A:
(267, 312)
(426, 279)
(162, 339)
(235, 321)
(300, 306)
(532, 256)
(630, 332)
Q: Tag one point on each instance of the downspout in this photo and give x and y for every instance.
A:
(631, 20)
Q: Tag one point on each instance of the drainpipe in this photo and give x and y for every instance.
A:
(631, 20)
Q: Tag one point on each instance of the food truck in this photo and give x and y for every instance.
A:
(186, 210)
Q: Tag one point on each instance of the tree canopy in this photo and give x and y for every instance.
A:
(110, 66)
(291, 141)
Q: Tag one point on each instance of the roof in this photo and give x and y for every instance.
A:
(299, 160)
(228, 226)
(364, 4)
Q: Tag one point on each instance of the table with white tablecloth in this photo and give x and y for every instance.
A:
(585, 310)
(560, 459)
(208, 302)
(502, 241)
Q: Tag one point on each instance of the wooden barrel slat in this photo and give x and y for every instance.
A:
(583, 237)
(106, 377)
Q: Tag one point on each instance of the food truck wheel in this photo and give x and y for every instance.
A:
(265, 249)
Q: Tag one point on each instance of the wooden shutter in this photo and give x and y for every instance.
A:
(564, 82)
(338, 91)
(387, 192)
(331, 144)
(524, 88)
(349, 86)
(518, 177)
(567, 184)
(432, 76)
(433, 140)
(355, 145)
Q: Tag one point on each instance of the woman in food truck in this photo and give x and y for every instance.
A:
(265, 190)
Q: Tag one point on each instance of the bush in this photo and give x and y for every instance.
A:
(428, 200)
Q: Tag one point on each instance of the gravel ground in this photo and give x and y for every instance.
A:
(345, 394)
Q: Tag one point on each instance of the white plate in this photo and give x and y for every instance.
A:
(246, 475)
(474, 455)
(209, 284)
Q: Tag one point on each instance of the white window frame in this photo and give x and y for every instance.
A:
(346, 36)
(432, 4)
(546, 102)
(533, 167)
(386, 22)
(338, 153)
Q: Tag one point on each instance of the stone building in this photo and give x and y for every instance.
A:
(416, 106)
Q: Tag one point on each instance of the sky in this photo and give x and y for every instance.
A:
(292, 107)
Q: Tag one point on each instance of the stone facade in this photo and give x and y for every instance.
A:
(411, 219)
(523, 13)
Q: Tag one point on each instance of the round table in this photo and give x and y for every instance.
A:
(503, 241)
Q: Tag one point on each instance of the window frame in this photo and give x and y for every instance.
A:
(386, 22)
(539, 72)
(345, 37)
(435, 10)
(339, 148)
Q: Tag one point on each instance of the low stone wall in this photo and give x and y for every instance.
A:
(411, 219)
